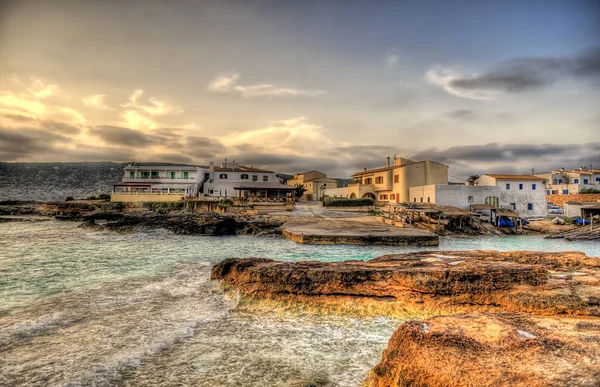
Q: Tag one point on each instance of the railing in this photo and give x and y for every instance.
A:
(159, 179)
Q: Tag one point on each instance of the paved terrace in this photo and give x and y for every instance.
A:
(312, 224)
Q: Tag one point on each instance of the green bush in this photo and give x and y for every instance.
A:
(69, 198)
(590, 191)
(104, 196)
(348, 202)
(226, 202)
(91, 198)
(163, 207)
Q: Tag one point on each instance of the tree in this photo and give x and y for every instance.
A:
(472, 179)
(300, 190)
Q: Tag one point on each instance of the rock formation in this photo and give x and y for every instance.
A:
(500, 318)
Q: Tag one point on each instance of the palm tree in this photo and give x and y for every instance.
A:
(300, 190)
(472, 179)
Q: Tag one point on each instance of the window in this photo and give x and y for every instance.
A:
(471, 199)
(397, 178)
(244, 176)
(421, 199)
(565, 191)
(529, 206)
(555, 181)
(186, 175)
(415, 200)
(521, 186)
(547, 192)
(265, 178)
(428, 199)
(379, 180)
(560, 181)
(576, 181)
(369, 181)
(393, 196)
(585, 181)
(132, 175)
(145, 175)
(514, 206)
(382, 197)
(507, 186)
(172, 175)
(254, 177)
(223, 176)
(155, 175)
(598, 180)
(533, 187)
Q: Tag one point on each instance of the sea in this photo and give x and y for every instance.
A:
(93, 308)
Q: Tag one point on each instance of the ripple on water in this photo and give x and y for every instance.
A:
(96, 308)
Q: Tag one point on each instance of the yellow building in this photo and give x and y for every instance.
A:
(393, 182)
(315, 183)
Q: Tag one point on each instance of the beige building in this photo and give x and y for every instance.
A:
(393, 182)
(563, 182)
(315, 183)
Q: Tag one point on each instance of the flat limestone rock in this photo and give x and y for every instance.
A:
(376, 278)
(491, 350)
(349, 232)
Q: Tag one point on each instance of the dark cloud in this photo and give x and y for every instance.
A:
(513, 158)
(60, 127)
(117, 135)
(521, 74)
(203, 147)
(53, 126)
(463, 114)
(24, 143)
(172, 158)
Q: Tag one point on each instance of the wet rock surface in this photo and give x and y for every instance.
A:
(499, 318)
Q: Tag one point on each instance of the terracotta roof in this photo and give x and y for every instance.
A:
(241, 168)
(514, 177)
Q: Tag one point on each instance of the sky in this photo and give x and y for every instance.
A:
(291, 86)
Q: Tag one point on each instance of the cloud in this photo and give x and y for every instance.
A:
(142, 115)
(24, 143)
(95, 101)
(513, 158)
(116, 135)
(516, 75)
(228, 84)
(39, 89)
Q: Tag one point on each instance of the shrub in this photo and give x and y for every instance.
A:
(163, 207)
(226, 202)
(91, 198)
(590, 191)
(104, 196)
(69, 198)
(348, 202)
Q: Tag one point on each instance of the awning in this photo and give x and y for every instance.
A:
(264, 186)
(475, 207)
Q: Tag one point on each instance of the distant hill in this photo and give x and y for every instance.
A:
(56, 181)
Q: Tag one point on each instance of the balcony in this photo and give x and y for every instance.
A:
(159, 180)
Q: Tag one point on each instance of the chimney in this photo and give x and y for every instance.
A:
(562, 169)
(580, 169)
(365, 169)
(387, 162)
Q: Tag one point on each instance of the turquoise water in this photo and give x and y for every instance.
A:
(80, 308)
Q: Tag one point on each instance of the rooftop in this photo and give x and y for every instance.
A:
(514, 177)
(269, 185)
(392, 167)
(241, 168)
(159, 164)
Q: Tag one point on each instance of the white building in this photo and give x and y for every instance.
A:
(461, 196)
(525, 194)
(230, 180)
(158, 182)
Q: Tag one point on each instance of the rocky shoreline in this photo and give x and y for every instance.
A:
(493, 318)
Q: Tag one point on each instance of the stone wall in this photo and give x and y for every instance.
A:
(559, 200)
